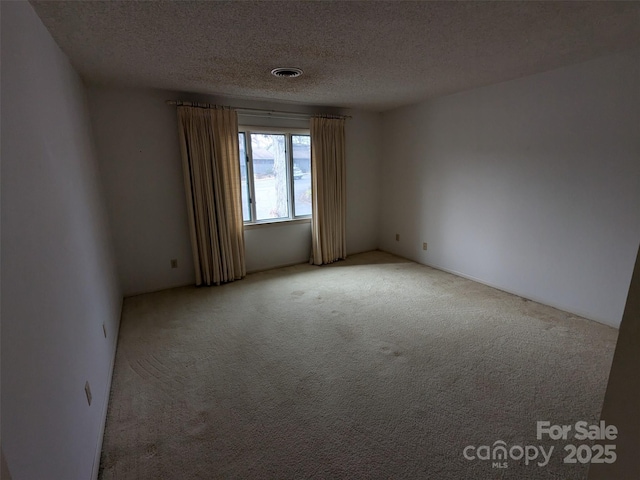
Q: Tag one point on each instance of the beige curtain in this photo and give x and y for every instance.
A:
(329, 190)
(209, 147)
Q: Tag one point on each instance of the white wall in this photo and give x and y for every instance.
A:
(364, 158)
(276, 245)
(136, 138)
(532, 185)
(137, 144)
(58, 278)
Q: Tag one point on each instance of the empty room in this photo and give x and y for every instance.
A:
(320, 240)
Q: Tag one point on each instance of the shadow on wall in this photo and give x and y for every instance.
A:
(4, 468)
(621, 401)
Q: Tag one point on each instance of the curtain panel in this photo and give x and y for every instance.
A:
(329, 205)
(211, 167)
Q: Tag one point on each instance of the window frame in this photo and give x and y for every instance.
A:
(247, 130)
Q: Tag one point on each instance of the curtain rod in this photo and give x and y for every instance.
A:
(259, 112)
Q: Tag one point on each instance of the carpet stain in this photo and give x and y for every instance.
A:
(151, 450)
(392, 351)
(347, 332)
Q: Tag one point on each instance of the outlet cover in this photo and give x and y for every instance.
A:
(87, 390)
(424, 246)
(397, 237)
(174, 263)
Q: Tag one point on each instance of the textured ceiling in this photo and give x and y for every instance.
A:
(372, 55)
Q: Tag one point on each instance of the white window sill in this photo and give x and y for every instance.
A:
(276, 223)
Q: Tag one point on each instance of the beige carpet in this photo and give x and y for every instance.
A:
(371, 368)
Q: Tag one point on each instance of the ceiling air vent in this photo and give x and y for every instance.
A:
(287, 72)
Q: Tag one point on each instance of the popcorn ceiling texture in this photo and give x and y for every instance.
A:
(371, 55)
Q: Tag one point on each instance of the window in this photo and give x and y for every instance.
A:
(275, 173)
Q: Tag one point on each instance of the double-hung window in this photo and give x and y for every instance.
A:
(275, 173)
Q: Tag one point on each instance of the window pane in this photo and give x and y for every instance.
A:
(270, 175)
(301, 174)
(246, 211)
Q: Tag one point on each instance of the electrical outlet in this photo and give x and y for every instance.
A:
(424, 246)
(87, 390)
(397, 237)
(104, 330)
(174, 263)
